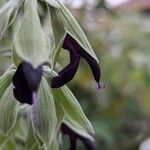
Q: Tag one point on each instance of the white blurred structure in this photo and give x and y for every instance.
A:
(114, 3)
(79, 3)
(145, 145)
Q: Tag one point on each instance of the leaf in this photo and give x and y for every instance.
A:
(31, 44)
(35, 147)
(15, 58)
(3, 141)
(59, 112)
(21, 127)
(2, 3)
(74, 116)
(8, 110)
(5, 53)
(5, 81)
(59, 34)
(43, 114)
(74, 29)
(5, 62)
(53, 3)
(66, 103)
(54, 145)
(8, 14)
(6, 44)
(16, 26)
(31, 141)
(11, 145)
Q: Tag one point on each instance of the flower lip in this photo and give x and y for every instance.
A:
(26, 81)
(66, 74)
(76, 52)
(74, 137)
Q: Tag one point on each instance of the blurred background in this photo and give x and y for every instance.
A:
(119, 32)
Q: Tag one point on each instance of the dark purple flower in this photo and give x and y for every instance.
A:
(76, 52)
(26, 81)
(74, 137)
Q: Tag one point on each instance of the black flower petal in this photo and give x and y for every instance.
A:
(26, 81)
(73, 142)
(74, 137)
(65, 75)
(76, 52)
(94, 67)
(72, 46)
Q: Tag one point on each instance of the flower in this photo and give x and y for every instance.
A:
(76, 52)
(26, 81)
(74, 137)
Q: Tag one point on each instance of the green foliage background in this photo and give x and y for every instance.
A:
(120, 112)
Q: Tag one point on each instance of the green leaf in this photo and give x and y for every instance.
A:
(74, 116)
(5, 62)
(3, 141)
(8, 110)
(11, 145)
(2, 3)
(67, 104)
(21, 127)
(5, 81)
(31, 141)
(31, 44)
(5, 52)
(54, 144)
(16, 27)
(8, 14)
(53, 3)
(35, 147)
(59, 112)
(73, 28)
(43, 114)
(15, 58)
(59, 34)
(6, 44)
